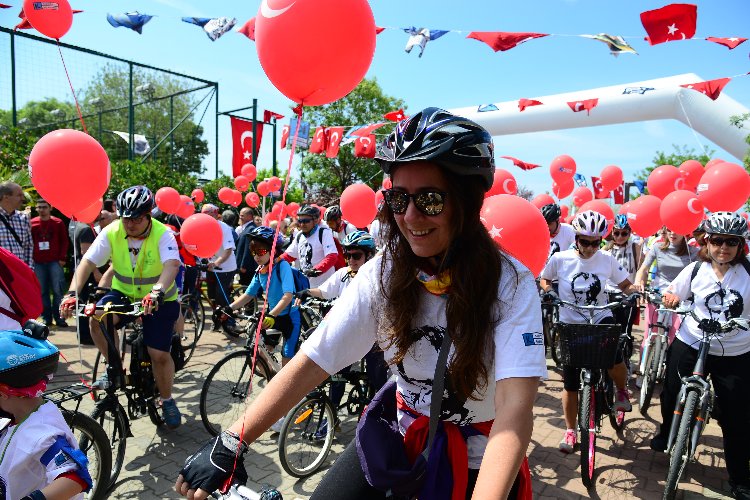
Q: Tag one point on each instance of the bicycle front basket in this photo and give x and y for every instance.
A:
(588, 346)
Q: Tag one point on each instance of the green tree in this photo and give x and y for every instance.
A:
(15, 147)
(323, 179)
(676, 158)
(152, 174)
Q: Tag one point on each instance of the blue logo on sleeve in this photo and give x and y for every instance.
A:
(535, 338)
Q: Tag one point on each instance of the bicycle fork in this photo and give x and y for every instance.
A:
(702, 412)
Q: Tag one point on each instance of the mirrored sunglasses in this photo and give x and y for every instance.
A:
(430, 203)
(718, 241)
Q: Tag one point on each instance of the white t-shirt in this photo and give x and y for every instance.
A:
(227, 242)
(100, 250)
(626, 257)
(582, 281)
(309, 251)
(7, 323)
(563, 240)
(715, 299)
(21, 470)
(347, 228)
(334, 286)
(348, 331)
(375, 230)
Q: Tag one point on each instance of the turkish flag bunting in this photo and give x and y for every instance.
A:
(618, 195)
(599, 192)
(248, 29)
(334, 141)
(242, 143)
(284, 135)
(586, 104)
(675, 21)
(367, 129)
(319, 140)
(379, 30)
(525, 103)
(395, 116)
(712, 88)
(730, 43)
(521, 164)
(267, 115)
(501, 40)
(364, 147)
(25, 24)
(4, 6)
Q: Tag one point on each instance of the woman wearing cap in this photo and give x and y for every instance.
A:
(719, 284)
(439, 275)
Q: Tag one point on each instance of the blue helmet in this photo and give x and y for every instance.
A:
(265, 235)
(25, 361)
(359, 239)
(621, 222)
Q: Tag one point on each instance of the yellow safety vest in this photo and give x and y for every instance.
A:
(137, 282)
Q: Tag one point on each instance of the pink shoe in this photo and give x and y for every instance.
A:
(569, 441)
(622, 401)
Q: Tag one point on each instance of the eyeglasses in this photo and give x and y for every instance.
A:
(617, 234)
(304, 221)
(43, 207)
(589, 243)
(430, 203)
(260, 252)
(353, 255)
(133, 220)
(730, 242)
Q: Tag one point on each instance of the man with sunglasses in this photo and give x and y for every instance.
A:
(340, 227)
(313, 247)
(562, 236)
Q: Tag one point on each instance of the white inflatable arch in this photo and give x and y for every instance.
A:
(658, 99)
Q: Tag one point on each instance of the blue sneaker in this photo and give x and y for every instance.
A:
(102, 383)
(172, 416)
(322, 431)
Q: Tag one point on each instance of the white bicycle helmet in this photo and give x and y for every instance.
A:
(590, 223)
(727, 223)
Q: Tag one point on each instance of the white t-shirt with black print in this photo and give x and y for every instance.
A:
(715, 299)
(582, 281)
(350, 328)
(626, 257)
(310, 250)
(563, 240)
(335, 285)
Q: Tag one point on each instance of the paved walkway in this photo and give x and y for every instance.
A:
(626, 466)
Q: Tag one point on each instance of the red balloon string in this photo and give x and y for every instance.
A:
(78, 107)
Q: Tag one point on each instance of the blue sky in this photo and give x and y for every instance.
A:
(454, 71)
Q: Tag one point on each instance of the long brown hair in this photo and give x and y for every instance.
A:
(474, 263)
(682, 248)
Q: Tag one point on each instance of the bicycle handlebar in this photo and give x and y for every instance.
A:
(239, 492)
(88, 309)
(712, 326)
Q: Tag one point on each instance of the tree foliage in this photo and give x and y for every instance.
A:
(152, 174)
(676, 158)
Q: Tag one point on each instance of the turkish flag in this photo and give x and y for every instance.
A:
(248, 29)
(267, 115)
(242, 143)
(364, 147)
(675, 21)
(25, 24)
(395, 116)
(730, 43)
(525, 103)
(379, 30)
(318, 144)
(711, 88)
(618, 195)
(585, 104)
(599, 191)
(366, 130)
(284, 135)
(334, 136)
(500, 40)
(521, 164)
(5, 6)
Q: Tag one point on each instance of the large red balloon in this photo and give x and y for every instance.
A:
(713, 162)
(581, 195)
(201, 235)
(241, 183)
(563, 167)
(358, 205)
(602, 208)
(663, 180)
(519, 228)
(236, 198)
(187, 207)
(249, 171)
(90, 213)
(563, 189)
(263, 188)
(643, 215)
(611, 177)
(168, 200)
(197, 195)
(315, 51)
(291, 209)
(51, 21)
(69, 169)
(542, 199)
(691, 171)
(503, 183)
(725, 186)
(225, 195)
(681, 211)
(252, 200)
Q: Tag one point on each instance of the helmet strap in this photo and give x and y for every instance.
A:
(146, 231)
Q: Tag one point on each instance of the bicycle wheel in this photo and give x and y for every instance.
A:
(587, 427)
(679, 455)
(100, 366)
(616, 417)
(555, 346)
(192, 327)
(113, 419)
(357, 400)
(306, 436)
(223, 396)
(92, 441)
(651, 364)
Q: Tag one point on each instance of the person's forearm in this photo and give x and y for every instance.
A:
(282, 304)
(106, 280)
(241, 301)
(81, 274)
(223, 257)
(61, 488)
(545, 284)
(168, 273)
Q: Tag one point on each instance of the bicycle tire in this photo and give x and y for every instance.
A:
(114, 421)
(192, 325)
(357, 399)
(93, 441)
(224, 391)
(306, 436)
(679, 454)
(616, 417)
(100, 365)
(555, 347)
(587, 427)
(649, 376)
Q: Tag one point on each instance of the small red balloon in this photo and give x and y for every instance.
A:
(581, 195)
(643, 215)
(291, 209)
(564, 211)
(187, 207)
(726, 186)
(358, 205)
(563, 190)
(681, 211)
(168, 200)
(275, 184)
(90, 214)
(542, 199)
(225, 195)
(280, 207)
(252, 200)
(611, 177)
(197, 195)
(263, 188)
(663, 180)
(503, 183)
(562, 168)
(691, 172)
(201, 235)
(236, 199)
(249, 171)
(53, 19)
(241, 183)
(387, 183)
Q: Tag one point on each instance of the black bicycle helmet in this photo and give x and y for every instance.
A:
(264, 234)
(25, 360)
(332, 212)
(453, 142)
(134, 202)
(551, 212)
(310, 210)
(727, 223)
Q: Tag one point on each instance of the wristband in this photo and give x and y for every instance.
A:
(233, 443)
(35, 495)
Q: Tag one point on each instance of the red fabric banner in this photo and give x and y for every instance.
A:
(364, 147)
(500, 40)
(618, 195)
(599, 191)
(675, 21)
(521, 164)
(586, 104)
(711, 88)
(333, 139)
(730, 43)
(395, 116)
(242, 143)
(525, 103)
(284, 135)
(267, 115)
(248, 29)
(367, 129)
(318, 144)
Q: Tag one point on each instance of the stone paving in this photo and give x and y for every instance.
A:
(626, 466)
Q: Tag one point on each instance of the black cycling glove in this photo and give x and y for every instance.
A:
(632, 299)
(550, 296)
(210, 467)
(303, 293)
(312, 273)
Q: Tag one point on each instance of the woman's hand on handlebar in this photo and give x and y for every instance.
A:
(670, 300)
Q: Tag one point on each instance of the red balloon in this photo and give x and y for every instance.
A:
(745, 215)
(725, 186)
(713, 162)
(564, 211)
(581, 195)
(69, 169)
(236, 198)
(563, 167)
(602, 208)
(563, 189)
(339, 42)
(358, 205)
(542, 199)
(387, 183)
(291, 208)
(691, 171)
(168, 200)
(90, 213)
(53, 22)
(252, 200)
(643, 215)
(624, 208)
(503, 183)
(201, 235)
(275, 183)
(241, 183)
(681, 211)
(263, 188)
(197, 195)
(280, 207)
(663, 180)
(379, 198)
(249, 171)
(519, 228)
(568, 219)
(187, 207)
(225, 195)
(611, 177)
